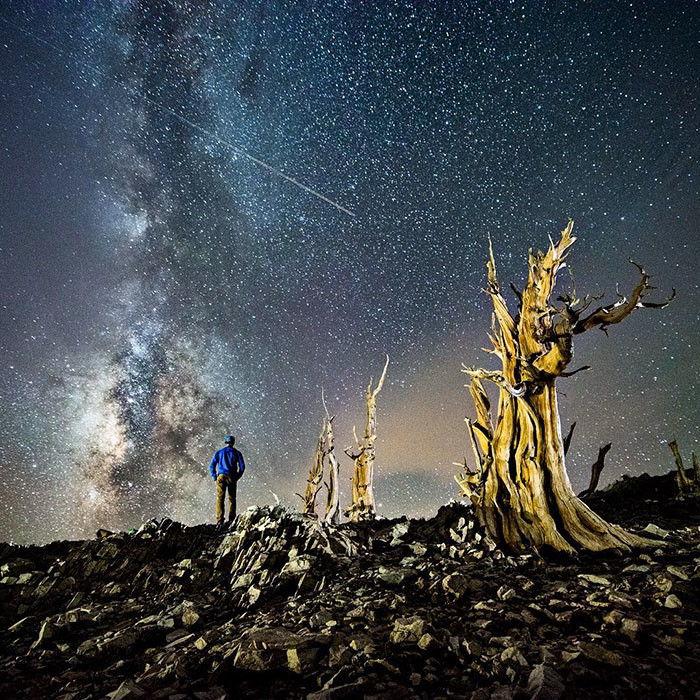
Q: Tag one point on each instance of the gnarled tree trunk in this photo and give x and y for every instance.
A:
(520, 487)
(362, 506)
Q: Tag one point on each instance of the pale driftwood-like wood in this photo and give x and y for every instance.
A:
(333, 497)
(324, 459)
(313, 481)
(520, 486)
(362, 506)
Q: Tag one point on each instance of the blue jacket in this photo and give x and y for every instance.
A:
(227, 460)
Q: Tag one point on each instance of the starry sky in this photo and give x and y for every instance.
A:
(162, 284)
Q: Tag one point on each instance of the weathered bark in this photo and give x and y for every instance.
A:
(362, 506)
(596, 470)
(333, 497)
(313, 482)
(324, 458)
(520, 486)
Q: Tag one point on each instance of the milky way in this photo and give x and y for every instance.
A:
(160, 289)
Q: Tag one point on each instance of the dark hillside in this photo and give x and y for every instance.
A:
(282, 607)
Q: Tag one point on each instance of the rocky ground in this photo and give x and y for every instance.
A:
(281, 607)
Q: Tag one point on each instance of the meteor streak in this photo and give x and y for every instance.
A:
(192, 124)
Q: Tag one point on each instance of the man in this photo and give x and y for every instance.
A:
(226, 469)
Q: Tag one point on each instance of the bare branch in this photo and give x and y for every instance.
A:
(567, 439)
(596, 469)
(605, 316)
(381, 380)
(518, 294)
(497, 378)
(323, 401)
(575, 371)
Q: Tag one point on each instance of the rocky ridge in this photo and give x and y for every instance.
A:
(280, 606)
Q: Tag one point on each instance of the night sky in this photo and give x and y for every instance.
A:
(160, 289)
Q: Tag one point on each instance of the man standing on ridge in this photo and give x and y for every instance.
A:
(226, 469)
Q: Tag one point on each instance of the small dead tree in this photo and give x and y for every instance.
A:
(687, 486)
(596, 470)
(520, 487)
(324, 459)
(362, 506)
(567, 439)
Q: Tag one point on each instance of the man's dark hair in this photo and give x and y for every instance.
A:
(230, 440)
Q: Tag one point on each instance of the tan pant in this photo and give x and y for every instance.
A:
(225, 482)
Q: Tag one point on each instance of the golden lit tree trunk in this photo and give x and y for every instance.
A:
(362, 506)
(520, 487)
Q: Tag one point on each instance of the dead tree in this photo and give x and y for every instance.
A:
(596, 469)
(362, 505)
(520, 487)
(313, 482)
(687, 486)
(324, 458)
(567, 439)
(333, 499)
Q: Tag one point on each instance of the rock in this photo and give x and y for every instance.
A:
(455, 585)
(47, 631)
(637, 568)
(127, 691)
(427, 642)
(298, 565)
(280, 605)
(349, 691)
(251, 659)
(409, 629)
(544, 683)
(190, 616)
(243, 581)
(677, 572)
(88, 648)
(592, 578)
(630, 628)
(598, 653)
(320, 619)
(392, 575)
(398, 531)
(656, 531)
(301, 660)
(506, 593)
(672, 601)
(512, 656)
